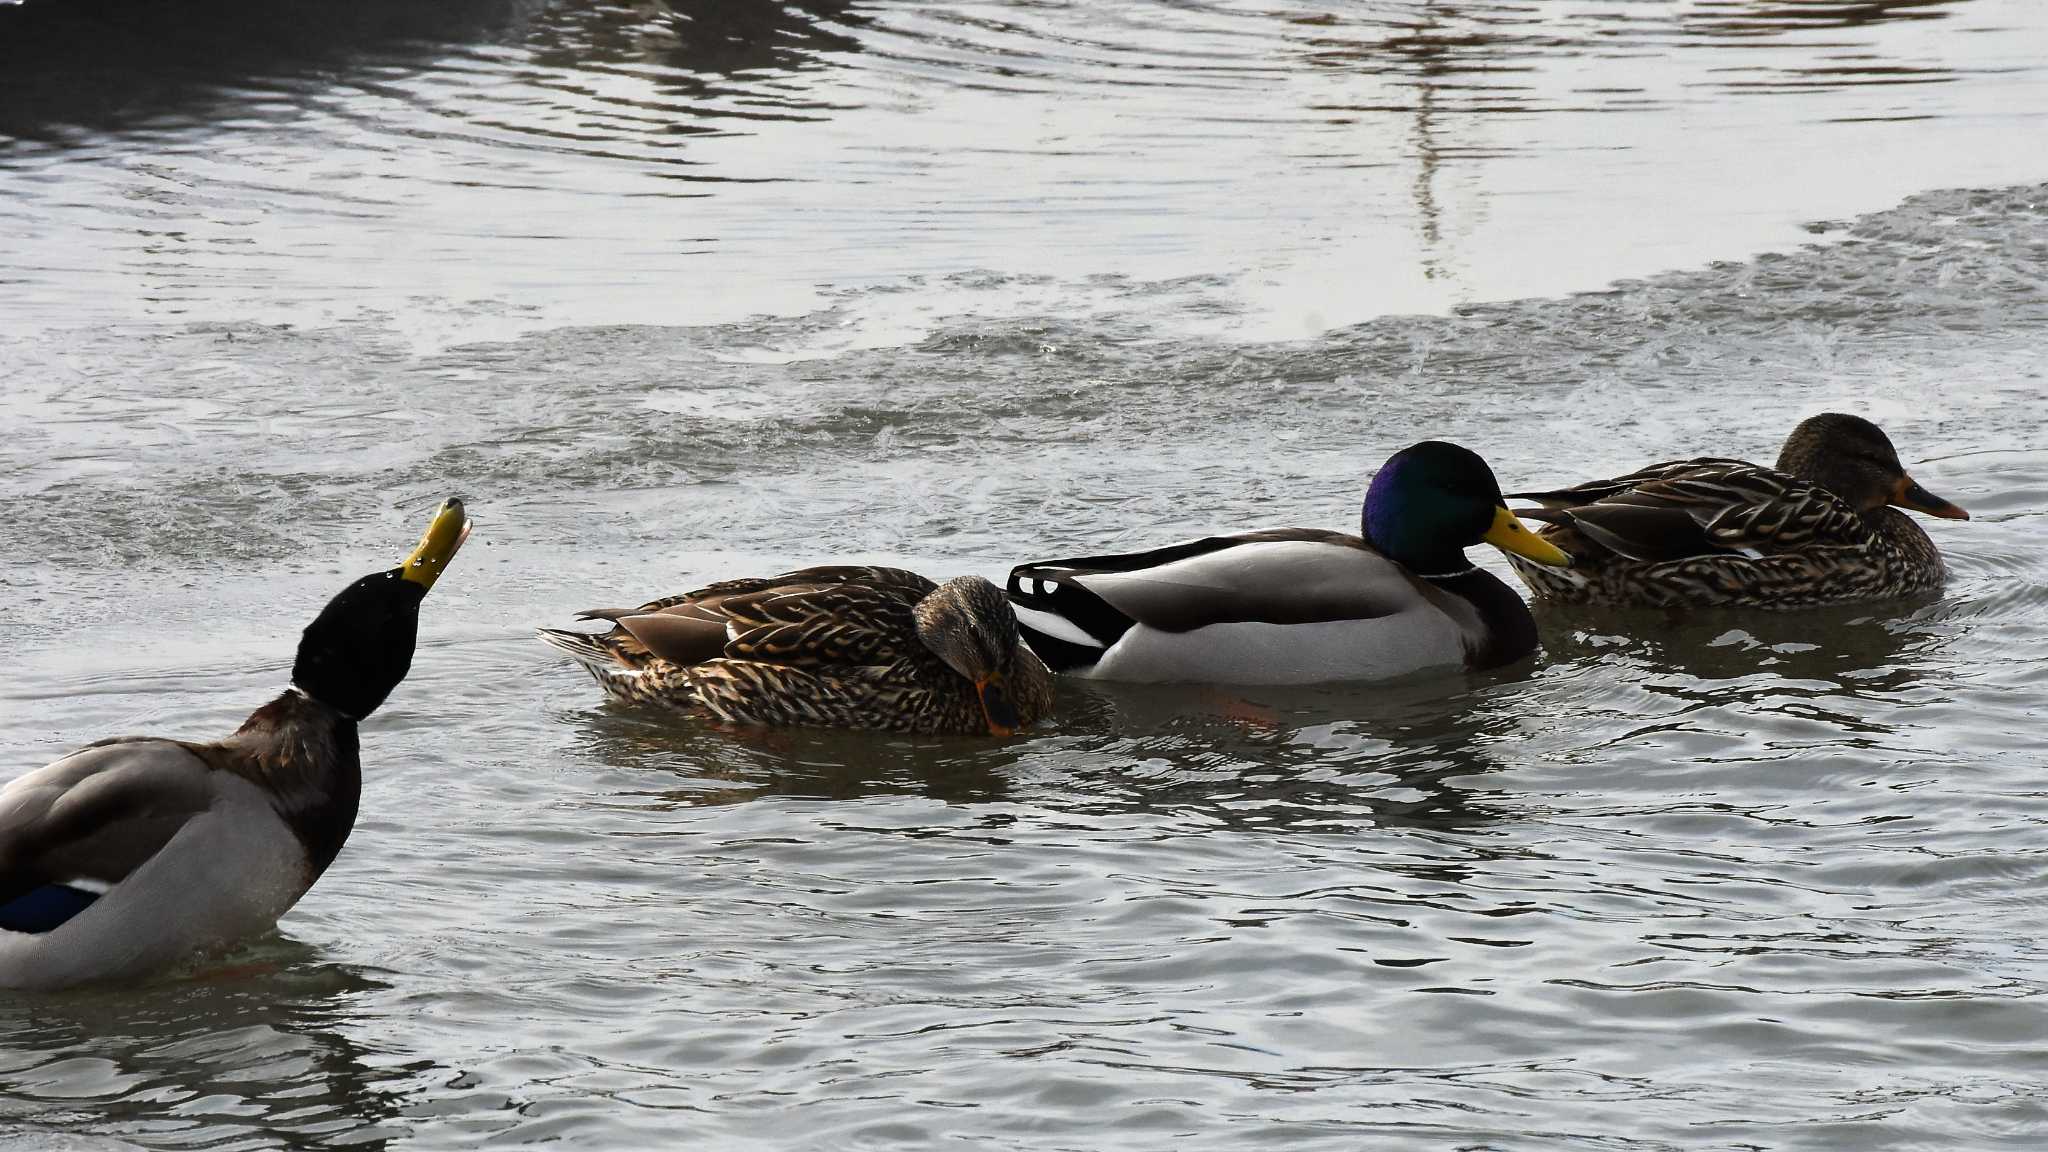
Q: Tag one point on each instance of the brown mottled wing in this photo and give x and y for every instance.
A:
(1593, 490)
(836, 625)
(709, 597)
(1702, 507)
(98, 813)
(841, 615)
(675, 637)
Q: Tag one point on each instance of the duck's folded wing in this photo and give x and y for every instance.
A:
(798, 617)
(1740, 508)
(803, 625)
(73, 829)
(1593, 490)
(1283, 576)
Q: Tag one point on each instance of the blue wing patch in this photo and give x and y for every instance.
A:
(45, 908)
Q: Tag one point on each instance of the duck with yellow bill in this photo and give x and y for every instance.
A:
(134, 854)
(1301, 605)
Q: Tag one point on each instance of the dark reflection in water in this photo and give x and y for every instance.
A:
(1747, 18)
(77, 66)
(1330, 759)
(706, 48)
(522, 157)
(1855, 649)
(68, 67)
(254, 1054)
(735, 765)
(1472, 42)
(1335, 759)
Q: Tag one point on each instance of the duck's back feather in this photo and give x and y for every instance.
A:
(1700, 507)
(97, 814)
(827, 616)
(835, 646)
(1719, 531)
(179, 858)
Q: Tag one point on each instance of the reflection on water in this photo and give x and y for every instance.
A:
(722, 765)
(724, 60)
(68, 71)
(1329, 760)
(1338, 759)
(257, 1054)
(1851, 649)
(1412, 152)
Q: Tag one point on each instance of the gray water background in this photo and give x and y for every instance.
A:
(677, 291)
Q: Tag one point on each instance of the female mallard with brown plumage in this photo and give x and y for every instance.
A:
(1819, 528)
(838, 647)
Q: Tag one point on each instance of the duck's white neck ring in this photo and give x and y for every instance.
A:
(1465, 571)
(301, 693)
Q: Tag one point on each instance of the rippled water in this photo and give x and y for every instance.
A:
(670, 292)
(494, 166)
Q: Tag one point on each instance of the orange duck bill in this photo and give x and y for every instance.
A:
(1908, 493)
(996, 707)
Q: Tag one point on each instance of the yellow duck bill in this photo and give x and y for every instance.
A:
(438, 546)
(1510, 535)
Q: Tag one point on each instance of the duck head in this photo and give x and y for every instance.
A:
(1853, 458)
(1432, 501)
(360, 646)
(967, 621)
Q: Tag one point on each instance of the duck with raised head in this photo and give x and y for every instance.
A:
(1820, 527)
(840, 646)
(1301, 605)
(134, 854)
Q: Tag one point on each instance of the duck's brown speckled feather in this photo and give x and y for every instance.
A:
(1713, 531)
(827, 647)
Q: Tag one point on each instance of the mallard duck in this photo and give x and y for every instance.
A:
(1300, 605)
(836, 647)
(1815, 529)
(133, 854)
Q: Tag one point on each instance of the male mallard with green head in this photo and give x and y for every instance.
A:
(1819, 528)
(1301, 605)
(133, 854)
(835, 647)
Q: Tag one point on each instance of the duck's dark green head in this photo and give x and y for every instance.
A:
(1432, 501)
(360, 646)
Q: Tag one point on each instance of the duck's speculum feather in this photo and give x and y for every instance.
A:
(45, 908)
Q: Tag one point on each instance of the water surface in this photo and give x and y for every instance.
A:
(670, 293)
